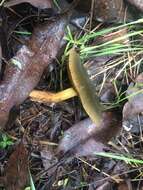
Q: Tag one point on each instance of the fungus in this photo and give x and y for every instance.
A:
(82, 86)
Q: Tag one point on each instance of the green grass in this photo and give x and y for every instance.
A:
(23, 32)
(119, 100)
(108, 48)
(32, 185)
(119, 157)
(126, 54)
(56, 4)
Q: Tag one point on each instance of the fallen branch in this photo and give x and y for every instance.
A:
(25, 69)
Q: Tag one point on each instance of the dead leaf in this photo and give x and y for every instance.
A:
(56, 124)
(108, 93)
(113, 36)
(125, 185)
(105, 186)
(137, 3)
(106, 11)
(25, 69)
(134, 93)
(48, 160)
(0, 57)
(42, 4)
(4, 35)
(88, 148)
(16, 172)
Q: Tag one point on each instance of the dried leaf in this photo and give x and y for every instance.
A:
(56, 124)
(137, 3)
(48, 159)
(125, 186)
(108, 93)
(16, 172)
(0, 57)
(134, 105)
(79, 138)
(3, 37)
(105, 10)
(88, 148)
(42, 4)
(19, 80)
(113, 36)
(105, 186)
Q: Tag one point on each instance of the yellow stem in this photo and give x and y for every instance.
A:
(43, 96)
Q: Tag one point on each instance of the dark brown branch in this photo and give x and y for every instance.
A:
(25, 69)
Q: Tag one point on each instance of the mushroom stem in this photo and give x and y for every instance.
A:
(43, 96)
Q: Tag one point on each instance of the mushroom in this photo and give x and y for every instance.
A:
(90, 135)
(82, 86)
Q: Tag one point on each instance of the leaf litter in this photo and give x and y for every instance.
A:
(17, 169)
(60, 134)
(44, 4)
